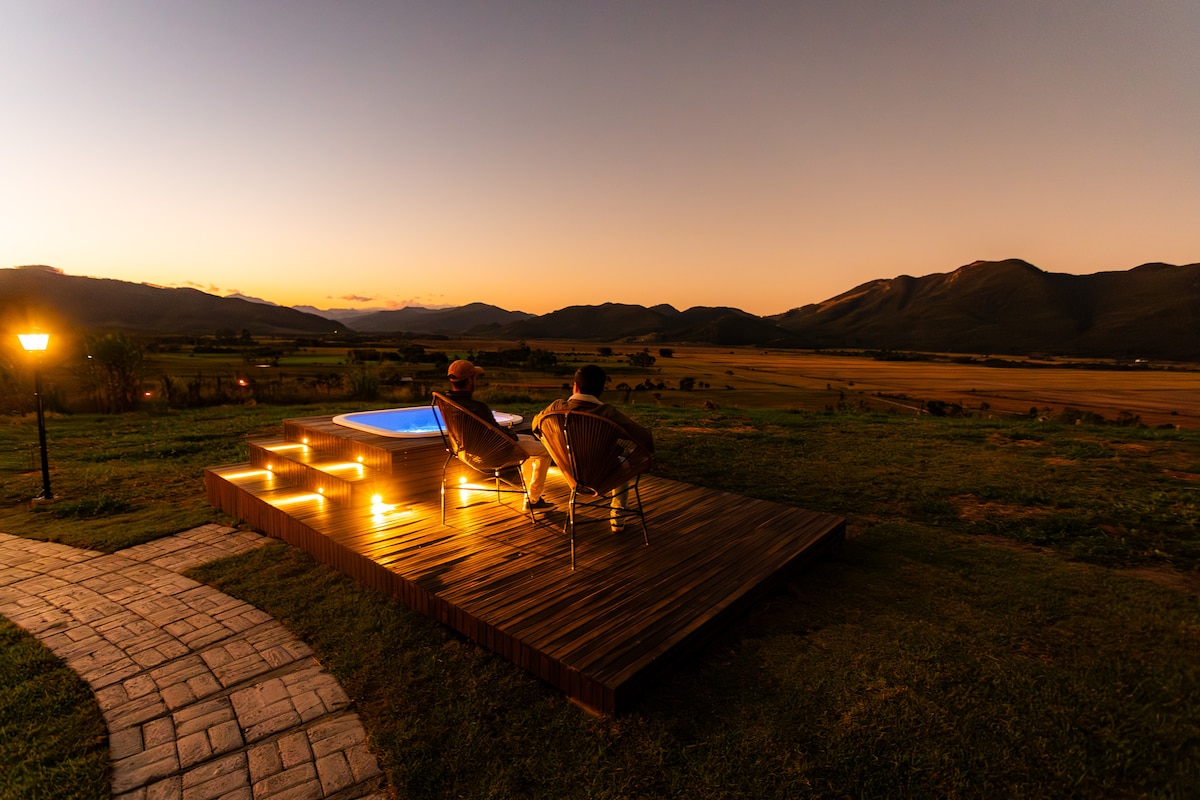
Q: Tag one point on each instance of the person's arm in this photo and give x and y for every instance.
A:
(537, 419)
(638, 433)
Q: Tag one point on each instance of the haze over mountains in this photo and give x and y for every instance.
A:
(1004, 307)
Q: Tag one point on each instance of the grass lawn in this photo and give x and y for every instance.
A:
(988, 630)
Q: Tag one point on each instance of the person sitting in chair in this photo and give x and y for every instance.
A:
(462, 375)
(585, 396)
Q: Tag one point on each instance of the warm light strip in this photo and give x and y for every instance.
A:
(252, 473)
(336, 467)
(275, 448)
(299, 498)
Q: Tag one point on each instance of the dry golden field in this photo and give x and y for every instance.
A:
(814, 381)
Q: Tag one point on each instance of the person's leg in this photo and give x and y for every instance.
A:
(535, 467)
(620, 501)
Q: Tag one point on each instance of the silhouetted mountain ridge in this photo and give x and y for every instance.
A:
(1151, 311)
(415, 319)
(998, 307)
(65, 302)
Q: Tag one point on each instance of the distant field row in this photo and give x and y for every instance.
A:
(757, 378)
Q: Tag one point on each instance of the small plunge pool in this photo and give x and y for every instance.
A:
(413, 422)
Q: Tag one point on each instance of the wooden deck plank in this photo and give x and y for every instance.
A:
(601, 633)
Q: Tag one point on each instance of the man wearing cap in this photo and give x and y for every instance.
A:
(462, 375)
(585, 396)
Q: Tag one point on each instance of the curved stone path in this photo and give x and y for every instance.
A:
(205, 696)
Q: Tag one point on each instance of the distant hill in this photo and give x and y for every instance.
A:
(346, 316)
(66, 302)
(461, 319)
(1152, 311)
(613, 321)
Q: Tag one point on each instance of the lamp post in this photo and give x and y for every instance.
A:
(37, 343)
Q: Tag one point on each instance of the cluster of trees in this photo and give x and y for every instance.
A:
(641, 358)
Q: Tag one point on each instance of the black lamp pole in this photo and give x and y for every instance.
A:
(41, 416)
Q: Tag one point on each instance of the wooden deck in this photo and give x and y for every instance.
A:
(602, 633)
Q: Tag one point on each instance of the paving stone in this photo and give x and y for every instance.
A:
(139, 685)
(193, 749)
(217, 779)
(144, 767)
(135, 712)
(124, 742)
(158, 731)
(294, 749)
(225, 736)
(286, 718)
(265, 761)
(335, 734)
(178, 695)
(203, 716)
(242, 793)
(334, 772)
(169, 789)
(298, 782)
(362, 764)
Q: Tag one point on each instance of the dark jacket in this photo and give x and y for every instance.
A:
(586, 402)
(479, 408)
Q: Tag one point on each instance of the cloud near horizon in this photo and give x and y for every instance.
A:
(211, 288)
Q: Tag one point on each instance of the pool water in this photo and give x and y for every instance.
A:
(413, 422)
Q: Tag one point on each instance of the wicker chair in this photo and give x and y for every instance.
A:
(595, 455)
(479, 445)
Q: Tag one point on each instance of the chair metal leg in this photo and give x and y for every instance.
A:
(525, 498)
(637, 493)
(445, 466)
(571, 525)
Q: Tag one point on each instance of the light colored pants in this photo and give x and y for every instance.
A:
(535, 467)
(620, 501)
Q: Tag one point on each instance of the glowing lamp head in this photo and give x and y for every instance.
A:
(34, 342)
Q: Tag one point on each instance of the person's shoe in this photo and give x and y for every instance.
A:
(542, 504)
(616, 524)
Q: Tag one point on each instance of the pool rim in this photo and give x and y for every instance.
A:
(503, 418)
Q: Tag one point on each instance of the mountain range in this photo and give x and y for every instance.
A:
(1001, 307)
(1151, 311)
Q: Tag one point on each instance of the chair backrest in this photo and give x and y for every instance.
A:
(474, 441)
(594, 453)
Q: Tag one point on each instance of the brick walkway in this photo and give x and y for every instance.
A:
(204, 696)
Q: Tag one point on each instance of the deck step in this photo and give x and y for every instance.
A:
(309, 468)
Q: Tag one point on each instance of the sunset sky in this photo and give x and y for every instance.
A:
(536, 155)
